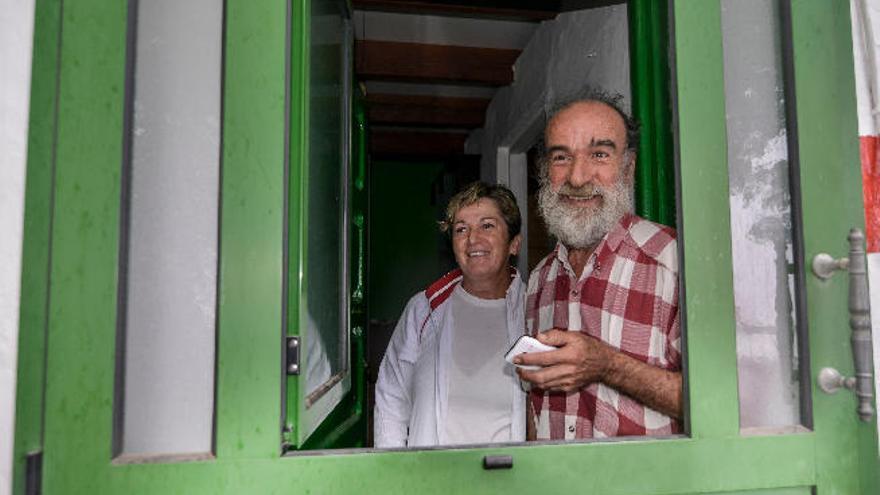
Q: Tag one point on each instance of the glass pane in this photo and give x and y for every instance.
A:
(326, 286)
(760, 215)
(170, 274)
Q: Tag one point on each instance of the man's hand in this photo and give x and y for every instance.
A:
(582, 360)
(579, 361)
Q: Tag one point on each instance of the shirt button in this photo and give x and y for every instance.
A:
(571, 429)
(574, 292)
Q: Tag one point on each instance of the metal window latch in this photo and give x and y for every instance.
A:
(491, 462)
(830, 380)
(33, 477)
(291, 365)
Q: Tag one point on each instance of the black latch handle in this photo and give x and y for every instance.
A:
(497, 462)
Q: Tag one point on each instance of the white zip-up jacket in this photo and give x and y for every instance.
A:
(412, 386)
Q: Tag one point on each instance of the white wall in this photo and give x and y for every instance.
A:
(575, 50)
(172, 229)
(16, 37)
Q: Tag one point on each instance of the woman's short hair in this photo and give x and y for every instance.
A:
(503, 198)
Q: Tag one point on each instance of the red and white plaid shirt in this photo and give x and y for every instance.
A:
(627, 296)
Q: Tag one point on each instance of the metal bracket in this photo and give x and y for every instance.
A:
(291, 365)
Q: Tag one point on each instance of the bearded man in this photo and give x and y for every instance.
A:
(607, 296)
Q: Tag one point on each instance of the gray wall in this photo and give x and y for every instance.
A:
(760, 214)
(575, 50)
(587, 48)
(173, 230)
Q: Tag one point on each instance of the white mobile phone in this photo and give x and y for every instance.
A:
(524, 345)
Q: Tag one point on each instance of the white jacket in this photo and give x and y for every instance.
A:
(412, 386)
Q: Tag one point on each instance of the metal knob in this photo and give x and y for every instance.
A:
(830, 381)
(824, 265)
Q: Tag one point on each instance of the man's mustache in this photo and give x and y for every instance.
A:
(587, 190)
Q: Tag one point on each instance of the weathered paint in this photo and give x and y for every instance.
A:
(869, 147)
(761, 215)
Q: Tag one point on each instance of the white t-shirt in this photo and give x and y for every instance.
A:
(479, 379)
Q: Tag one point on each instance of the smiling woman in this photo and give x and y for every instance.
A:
(484, 238)
(448, 348)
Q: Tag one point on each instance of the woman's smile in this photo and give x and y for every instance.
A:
(482, 245)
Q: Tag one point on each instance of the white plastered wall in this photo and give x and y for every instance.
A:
(16, 38)
(586, 48)
(575, 50)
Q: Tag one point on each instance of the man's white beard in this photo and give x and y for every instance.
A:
(582, 227)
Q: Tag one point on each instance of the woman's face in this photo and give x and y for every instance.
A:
(481, 241)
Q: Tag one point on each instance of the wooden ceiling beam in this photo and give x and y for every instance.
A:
(419, 110)
(418, 62)
(461, 9)
(407, 142)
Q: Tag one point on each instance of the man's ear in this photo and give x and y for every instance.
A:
(514, 244)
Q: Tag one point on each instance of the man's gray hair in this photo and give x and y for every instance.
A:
(613, 100)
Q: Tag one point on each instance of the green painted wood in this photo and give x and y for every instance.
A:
(800, 490)
(641, 74)
(82, 306)
(252, 226)
(85, 232)
(36, 238)
(359, 301)
(705, 221)
(345, 425)
(671, 467)
(829, 169)
(299, 195)
(297, 187)
(662, 113)
(85, 242)
(649, 75)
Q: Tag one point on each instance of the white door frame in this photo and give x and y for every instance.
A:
(511, 168)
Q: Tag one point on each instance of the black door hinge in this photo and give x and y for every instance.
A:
(291, 366)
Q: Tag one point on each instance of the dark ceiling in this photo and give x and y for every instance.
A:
(423, 98)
